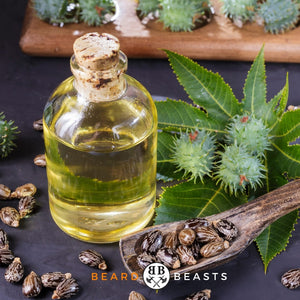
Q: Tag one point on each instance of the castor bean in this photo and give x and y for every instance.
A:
(53, 279)
(186, 255)
(10, 216)
(6, 256)
(213, 248)
(206, 234)
(195, 247)
(144, 259)
(38, 125)
(152, 241)
(136, 296)
(226, 229)
(201, 295)
(291, 279)
(32, 285)
(168, 257)
(186, 236)
(92, 259)
(15, 271)
(4, 243)
(171, 240)
(66, 289)
(27, 189)
(40, 160)
(26, 206)
(195, 222)
(4, 192)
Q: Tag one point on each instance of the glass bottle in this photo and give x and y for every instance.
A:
(100, 132)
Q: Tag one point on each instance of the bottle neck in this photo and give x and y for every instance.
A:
(100, 85)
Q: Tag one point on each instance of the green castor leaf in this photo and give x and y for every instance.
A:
(279, 16)
(96, 12)
(194, 154)
(240, 11)
(237, 169)
(8, 134)
(250, 132)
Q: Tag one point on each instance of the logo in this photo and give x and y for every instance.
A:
(156, 276)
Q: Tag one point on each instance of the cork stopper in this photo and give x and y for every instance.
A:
(97, 51)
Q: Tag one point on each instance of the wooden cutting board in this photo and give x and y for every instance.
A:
(219, 40)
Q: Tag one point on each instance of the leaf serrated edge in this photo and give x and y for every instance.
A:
(266, 263)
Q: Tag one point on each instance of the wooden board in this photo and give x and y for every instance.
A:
(219, 40)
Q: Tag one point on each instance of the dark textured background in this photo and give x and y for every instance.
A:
(25, 84)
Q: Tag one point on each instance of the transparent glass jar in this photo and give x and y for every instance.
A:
(100, 132)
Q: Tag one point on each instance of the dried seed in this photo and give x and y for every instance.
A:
(92, 259)
(195, 247)
(53, 279)
(4, 192)
(186, 255)
(27, 189)
(152, 241)
(6, 256)
(15, 271)
(186, 236)
(136, 296)
(206, 234)
(171, 240)
(213, 248)
(291, 279)
(10, 216)
(40, 160)
(38, 125)
(202, 295)
(145, 259)
(195, 222)
(3, 240)
(66, 289)
(32, 285)
(26, 206)
(168, 257)
(226, 229)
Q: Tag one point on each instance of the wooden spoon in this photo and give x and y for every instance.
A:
(250, 218)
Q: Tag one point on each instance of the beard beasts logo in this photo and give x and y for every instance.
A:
(156, 276)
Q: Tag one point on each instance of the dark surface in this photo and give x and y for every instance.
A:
(26, 83)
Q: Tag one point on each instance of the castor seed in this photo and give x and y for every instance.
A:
(26, 206)
(6, 256)
(186, 236)
(40, 160)
(4, 243)
(38, 125)
(32, 285)
(291, 279)
(168, 257)
(144, 259)
(171, 240)
(4, 192)
(213, 248)
(226, 229)
(136, 296)
(92, 259)
(196, 222)
(66, 289)
(53, 279)
(206, 234)
(186, 255)
(15, 271)
(27, 189)
(10, 216)
(152, 241)
(201, 295)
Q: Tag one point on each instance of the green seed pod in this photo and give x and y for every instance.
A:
(194, 153)
(8, 134)
(279, 16)
(147, 6)
(240, 11)
(237, 169)
(251, 133)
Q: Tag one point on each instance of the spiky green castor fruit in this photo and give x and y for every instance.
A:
(239, 11)
(279, 16)
(178, 15)
(250, 132)
(237, 168)
(194, 153)
(147, 6)
(8, 134)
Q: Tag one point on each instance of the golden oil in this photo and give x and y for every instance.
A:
(101, 153)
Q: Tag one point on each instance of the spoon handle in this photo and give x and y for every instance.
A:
(256, 215)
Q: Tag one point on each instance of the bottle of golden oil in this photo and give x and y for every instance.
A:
(100, 131)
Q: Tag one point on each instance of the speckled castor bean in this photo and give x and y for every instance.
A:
(206, 234)
(66, 289)
(26, 206)
(168, 257)
(291, 279)
(226, 229)
(32, 285)
(93, 259)
(213, 248)
(4, 192)
(136, 296)
(27, 189)
(10, 216)
(186, 236)
(186, 255)
(15, 271)
(152, 241)
(4, 243)
(144, 259)
(53, 279)
(201, 295)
